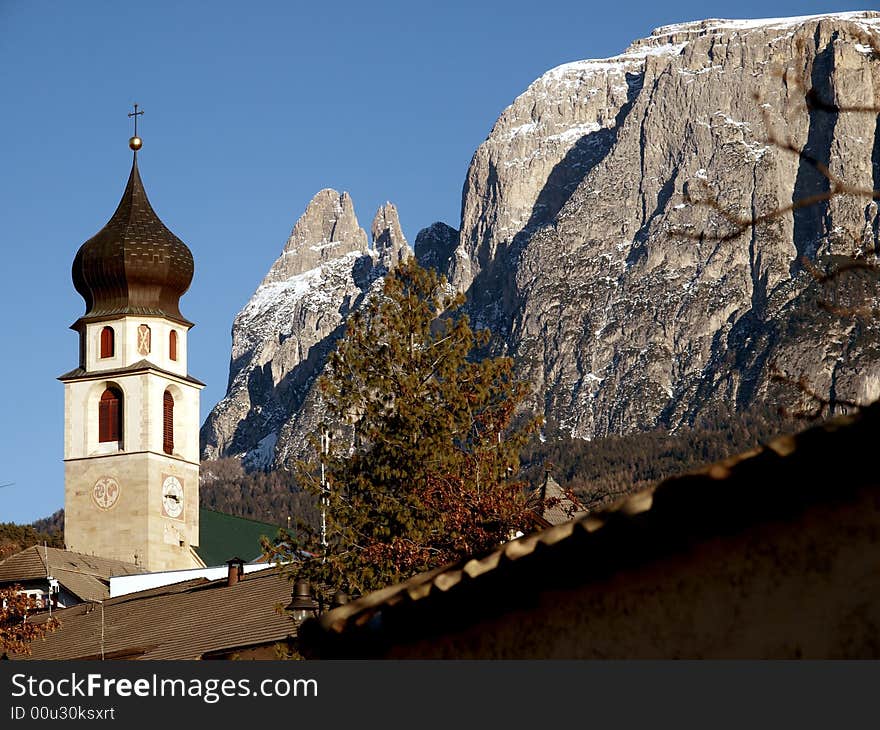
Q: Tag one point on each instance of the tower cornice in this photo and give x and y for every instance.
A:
(138, 368)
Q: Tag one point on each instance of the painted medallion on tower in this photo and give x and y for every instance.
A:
(143, 340)
(105, 492)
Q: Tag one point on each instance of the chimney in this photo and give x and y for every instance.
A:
(236, 570)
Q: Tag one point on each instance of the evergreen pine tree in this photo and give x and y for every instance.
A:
(424, 466)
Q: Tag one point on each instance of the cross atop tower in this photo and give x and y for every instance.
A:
(136, 114)
(135, 142)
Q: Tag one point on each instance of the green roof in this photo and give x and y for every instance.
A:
(223, 537)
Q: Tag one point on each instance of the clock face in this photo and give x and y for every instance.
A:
(172, 497)
(105, 492)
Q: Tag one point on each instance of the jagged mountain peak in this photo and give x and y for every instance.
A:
(283, 335)
(327, 229)
(388, 240)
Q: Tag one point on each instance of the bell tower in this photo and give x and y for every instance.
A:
(131, 410)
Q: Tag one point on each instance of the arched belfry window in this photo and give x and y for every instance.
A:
(168, 423)
(108, 342)
(110, 415)
(172, 345)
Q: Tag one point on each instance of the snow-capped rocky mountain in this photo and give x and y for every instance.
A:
(570, 208)
(281, 339)
(572, 243)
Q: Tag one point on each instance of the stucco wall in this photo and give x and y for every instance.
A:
(126, 344)
(806, 587)
(142, 416)
(134, 528)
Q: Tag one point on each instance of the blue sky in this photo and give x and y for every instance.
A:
(250, 109)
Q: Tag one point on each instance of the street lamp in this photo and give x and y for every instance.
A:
(340, 598)
(302, 605)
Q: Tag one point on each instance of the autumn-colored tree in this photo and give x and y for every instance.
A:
(423, 464)
(14, 538)
(17, 629)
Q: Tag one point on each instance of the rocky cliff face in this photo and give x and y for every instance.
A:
(574, 208)
(281, 339)
(589, 246)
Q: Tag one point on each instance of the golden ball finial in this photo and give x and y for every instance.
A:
(135, 143)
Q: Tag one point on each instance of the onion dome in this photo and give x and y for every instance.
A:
(134, 264)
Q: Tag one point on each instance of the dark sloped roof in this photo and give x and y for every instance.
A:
(823, 465)
(136, 367)
(26, 565)
(134, 264)
(223, 537)
(182, 621)
(86, 576)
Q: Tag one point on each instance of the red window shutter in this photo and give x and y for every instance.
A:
(168, 423)
(103, 420)
(115, 413)
(172, 345)
(110, 416)
(107, 342)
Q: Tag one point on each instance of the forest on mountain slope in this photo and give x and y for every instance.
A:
(597, 472)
